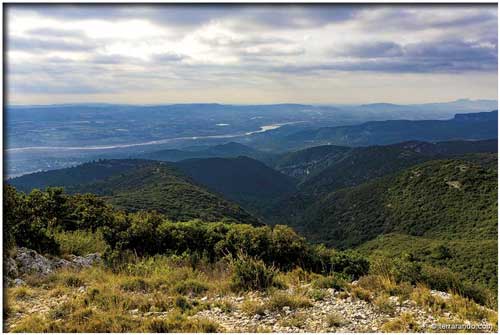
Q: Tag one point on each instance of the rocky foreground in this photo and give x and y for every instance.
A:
(299, 308)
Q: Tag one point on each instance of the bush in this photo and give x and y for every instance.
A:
(335, 320)
(280, 300)
(182, 303)
(361, 293)
(333, 281)
(324, 260)
(191, 286)
(252, 274)
(402, 324)
(317, 295)
(135, 285)
(80, 242)
(178, 323)
(73, 281)
(446, 280)
(384, 305)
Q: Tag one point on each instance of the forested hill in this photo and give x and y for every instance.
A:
(141, 185)
(247, 181)
(362, 164)
(463, 126)
(231, 149)
(445, 198)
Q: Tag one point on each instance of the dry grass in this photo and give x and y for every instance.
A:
(281, 299)
(361, 293)
(384, 304)
(100, 300)
(335, 320)
(298, 320)
(253, 307)
(402, 324)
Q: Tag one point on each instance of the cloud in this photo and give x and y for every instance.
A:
(54, 33)
(372, 50)
(271, 51)
(167, 57)
(33, 44)
(190, 48)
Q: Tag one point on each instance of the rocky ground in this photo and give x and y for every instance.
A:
(349, 315)
(329, 310)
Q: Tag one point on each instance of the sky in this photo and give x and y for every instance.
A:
(249, 54)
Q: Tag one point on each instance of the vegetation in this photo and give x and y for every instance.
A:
(243, 180)
(166, 241)
(475, 260)
(151, 233)
(135, 185)
(482, 126)
(252, 274)
(449, 199)
(164, 293)
(440, 213)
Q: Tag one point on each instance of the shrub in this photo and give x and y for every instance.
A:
(335, 320)
(297, 320)
(402, 324)
(422, 296)
(317, 295)
(191, 286)
(446, 280)
(135, 285)
(22, 292)
(349, 263)
(332, 281)
(226, 306)
(72, 280)
(80, 242)
(252, 307)
(62, 311)
(361, 293)
(178, 323)
(280, 300)
(252, 274)
(406, 270)
(383, 304)
(182, 303)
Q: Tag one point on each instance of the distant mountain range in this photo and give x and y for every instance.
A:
(461, 127)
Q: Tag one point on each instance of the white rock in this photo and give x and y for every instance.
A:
(19, 282)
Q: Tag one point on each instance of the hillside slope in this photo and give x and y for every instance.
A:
(230, 149)
(141, 185)
(344, 167)
(445, 198)
(242, 179)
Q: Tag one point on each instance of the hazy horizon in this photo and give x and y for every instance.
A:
(248, 104)
(250, 54)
